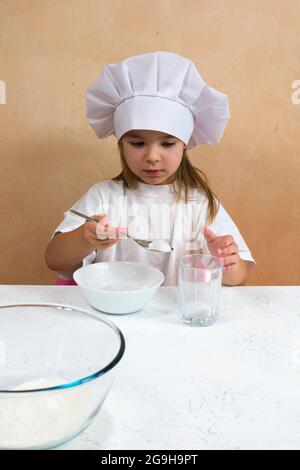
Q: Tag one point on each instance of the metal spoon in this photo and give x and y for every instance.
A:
(143, 243)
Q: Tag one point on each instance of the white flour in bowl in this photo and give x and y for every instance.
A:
(43, 418)
(121, 287)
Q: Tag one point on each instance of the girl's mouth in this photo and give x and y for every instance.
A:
(153, 172)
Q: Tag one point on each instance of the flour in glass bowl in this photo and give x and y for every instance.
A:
(44, 419)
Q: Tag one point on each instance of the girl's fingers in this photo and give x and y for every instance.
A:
(122, 232)
(119, 233)
(105, 243)
(229, 250)
(220, 243)
(226, 240)
(98, 228)
(209, 235)
(102, 228)
(111, 234)
(232, 259)
(231, 267)
(230, 262)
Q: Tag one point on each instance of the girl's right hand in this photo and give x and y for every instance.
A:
(101, 235)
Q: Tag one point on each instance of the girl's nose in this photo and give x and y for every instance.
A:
(152, 155)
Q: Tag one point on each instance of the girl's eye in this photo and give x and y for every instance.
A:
(139, 144)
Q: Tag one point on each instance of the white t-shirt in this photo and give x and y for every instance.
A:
(150, 212)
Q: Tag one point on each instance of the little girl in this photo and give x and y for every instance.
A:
(158, 106)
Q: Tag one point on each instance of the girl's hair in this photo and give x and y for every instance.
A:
(186, 177)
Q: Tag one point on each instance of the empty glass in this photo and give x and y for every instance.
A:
(199, 283)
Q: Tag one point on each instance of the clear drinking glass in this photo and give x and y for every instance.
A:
(199, 284)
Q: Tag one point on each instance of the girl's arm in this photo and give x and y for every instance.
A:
(66, 251)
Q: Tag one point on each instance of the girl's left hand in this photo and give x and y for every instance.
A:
(223, 247)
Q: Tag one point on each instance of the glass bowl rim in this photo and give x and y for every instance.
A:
(88, 378)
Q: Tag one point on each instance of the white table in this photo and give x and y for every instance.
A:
(234, 385)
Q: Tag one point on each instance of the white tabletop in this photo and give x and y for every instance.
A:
(233, 385)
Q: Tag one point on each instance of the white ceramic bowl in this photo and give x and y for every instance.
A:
(118, 286)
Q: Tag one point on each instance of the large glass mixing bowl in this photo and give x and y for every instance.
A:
(57, 363)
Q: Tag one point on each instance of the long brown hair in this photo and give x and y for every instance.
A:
(186, 177)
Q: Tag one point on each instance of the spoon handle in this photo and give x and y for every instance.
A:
(86, 217)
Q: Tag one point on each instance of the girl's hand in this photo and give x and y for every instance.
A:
(101, 235)
(223, 247)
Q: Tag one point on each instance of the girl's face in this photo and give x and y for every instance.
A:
(152, 155)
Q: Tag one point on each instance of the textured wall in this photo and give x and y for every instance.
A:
(51, 50)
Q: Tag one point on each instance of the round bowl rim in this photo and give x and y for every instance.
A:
(88, 378)
(94, 289)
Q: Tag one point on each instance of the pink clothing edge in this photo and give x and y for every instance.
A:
(65, 282)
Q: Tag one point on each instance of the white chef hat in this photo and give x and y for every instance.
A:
(159, 91)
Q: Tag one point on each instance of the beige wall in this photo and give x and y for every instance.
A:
(51, 50)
